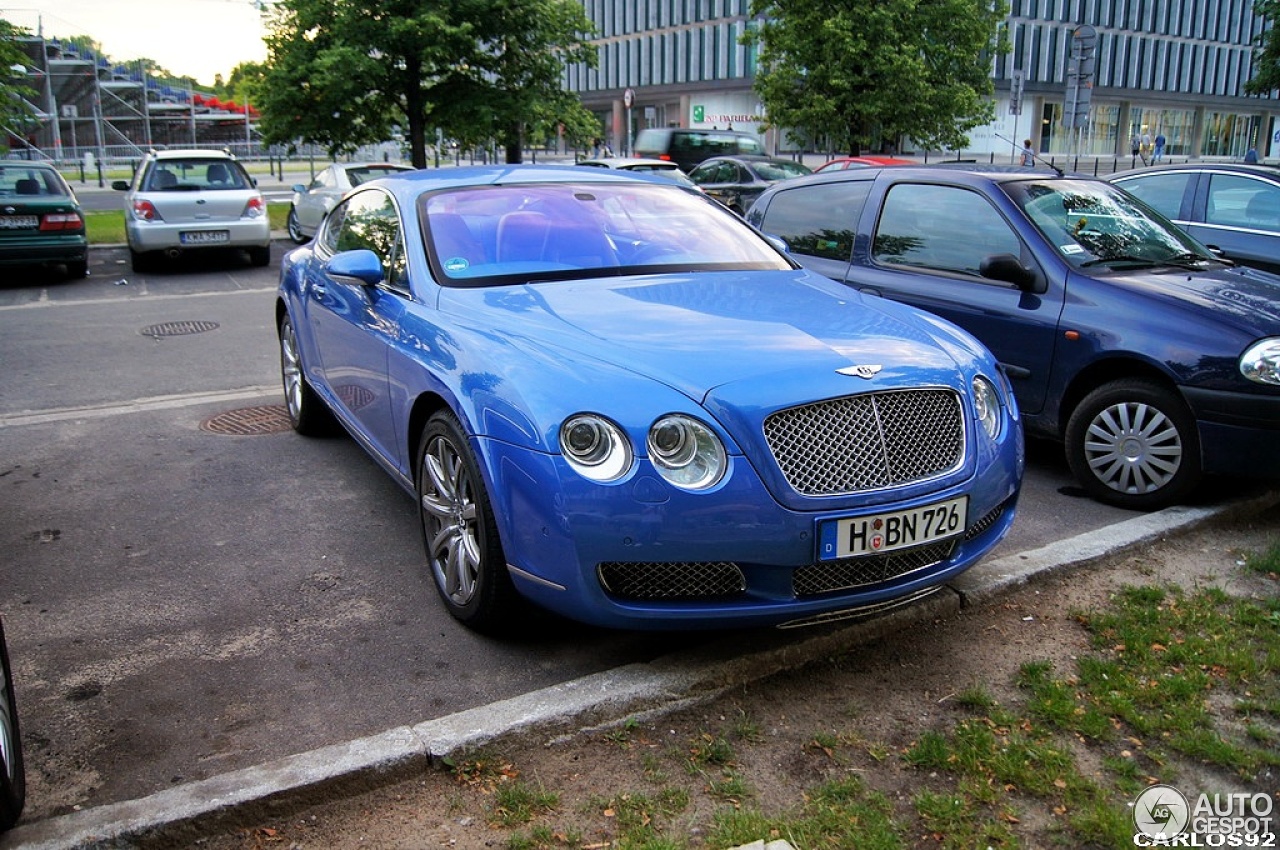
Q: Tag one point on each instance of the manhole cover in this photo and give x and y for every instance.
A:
(249, 421)
(178, 329)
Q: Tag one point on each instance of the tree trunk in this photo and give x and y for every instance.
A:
(514, 144)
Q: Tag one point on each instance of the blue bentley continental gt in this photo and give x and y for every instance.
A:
(613, 398)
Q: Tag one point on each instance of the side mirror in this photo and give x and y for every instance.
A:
(121, 185)
(1008, 268)
(360, 265)
(297, 187)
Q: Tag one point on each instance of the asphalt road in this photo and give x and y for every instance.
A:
(182, 600)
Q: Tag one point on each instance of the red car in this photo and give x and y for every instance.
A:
(862, 162)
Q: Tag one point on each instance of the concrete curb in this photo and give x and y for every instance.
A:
(602, 699)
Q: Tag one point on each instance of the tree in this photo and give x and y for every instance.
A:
(342, 73)
(862, 74)
(1267, 59)
(16, 115)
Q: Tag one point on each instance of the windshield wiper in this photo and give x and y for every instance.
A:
(1119, 258)
(1189, 260)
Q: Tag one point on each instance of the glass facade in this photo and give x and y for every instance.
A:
(1171, 67)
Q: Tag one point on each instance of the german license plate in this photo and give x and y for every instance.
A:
(19, 222)
(876, 533)
(204, 237)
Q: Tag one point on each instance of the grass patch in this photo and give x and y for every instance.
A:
(104, 227)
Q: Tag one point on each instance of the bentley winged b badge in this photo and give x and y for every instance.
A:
(866, 371)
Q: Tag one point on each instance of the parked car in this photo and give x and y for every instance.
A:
(311, 202)
(1153, 361)
(13, 784)
(41, 222)
(193, 200)
(1232, 208)
(861, 162)
(736, 181)
(611, 397)
(687, 147)
(639, 165)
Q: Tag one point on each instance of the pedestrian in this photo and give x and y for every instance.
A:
(1028, 156)
(1136, 143)
(1252, 156)
(1146, 148)
(1159, 151)
(595, 148)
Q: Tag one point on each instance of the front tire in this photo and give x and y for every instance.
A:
(307, 412)
(459, 530)
(13, 782)
(1133, 443)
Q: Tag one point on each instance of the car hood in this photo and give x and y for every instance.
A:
(699, 332)
(1247, 297)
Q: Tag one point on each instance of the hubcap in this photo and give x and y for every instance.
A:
(291, 369)
(449, 518)
(1133, 448)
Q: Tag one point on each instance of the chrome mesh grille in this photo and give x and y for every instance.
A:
(680, 580)
(848, 573)
(866, 442)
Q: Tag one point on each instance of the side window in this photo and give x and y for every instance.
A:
(1161, 192)
(946, 228)
(817, 221)
(1243, 202)
(331, 228)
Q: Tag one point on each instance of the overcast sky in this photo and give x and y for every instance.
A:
(196, 38)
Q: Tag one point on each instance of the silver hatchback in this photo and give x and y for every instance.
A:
(187, 200)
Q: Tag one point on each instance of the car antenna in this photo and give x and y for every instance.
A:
(1034, 155)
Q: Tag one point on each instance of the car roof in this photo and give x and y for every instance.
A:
(391, 166)
(191, 153)
(627, 161)
(967, 173)
(432, 179)
(1260, 170)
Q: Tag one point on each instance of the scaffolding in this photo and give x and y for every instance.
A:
(83, 108)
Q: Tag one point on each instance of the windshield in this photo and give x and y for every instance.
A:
(780, 169)
(495, 235)
(1093, 223)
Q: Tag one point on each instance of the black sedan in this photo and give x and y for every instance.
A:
(736, 181)
(1232, 208)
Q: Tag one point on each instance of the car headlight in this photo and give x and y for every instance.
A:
(595, 447)
(686, 453)
(1261, 362)
(986, 403)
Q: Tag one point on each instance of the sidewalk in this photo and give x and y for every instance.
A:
(600, 701)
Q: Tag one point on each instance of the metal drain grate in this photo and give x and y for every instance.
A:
(178, 329)
(249, 421)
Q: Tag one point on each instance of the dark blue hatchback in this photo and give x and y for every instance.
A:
(1152, 360)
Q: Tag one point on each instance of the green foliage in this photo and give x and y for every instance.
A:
(17, 90)
(1267, 58)
(860, 75)
(342, 73)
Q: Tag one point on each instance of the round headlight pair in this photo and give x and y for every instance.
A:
(986, 403)
(684, 451)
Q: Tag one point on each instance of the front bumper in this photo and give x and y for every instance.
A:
(1238, 432)
(732, 557)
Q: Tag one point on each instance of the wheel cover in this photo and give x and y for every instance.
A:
(449, 517)
(8, 740)
(295, 228)
(1133, 447)
(291, 369)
